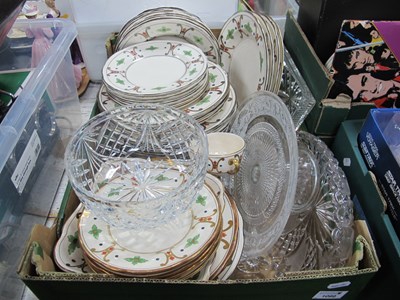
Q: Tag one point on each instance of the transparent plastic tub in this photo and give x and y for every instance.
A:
(34, 132)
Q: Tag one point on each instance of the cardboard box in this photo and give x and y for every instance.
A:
(321, 19)
(378, 134)
(39, 273)
(327, 114)
(46, 281)
(364, 186)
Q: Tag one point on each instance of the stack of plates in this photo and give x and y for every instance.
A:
(215, 96)
(230, 246)
(217, 106)
(222, 119)
(210, 99)
(178, 249)
(209, 236)
(168, 72)
(169, 56)
(169, 23)
(252, 53)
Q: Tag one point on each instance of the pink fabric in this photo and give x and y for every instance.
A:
(41, 43)
(78, 75)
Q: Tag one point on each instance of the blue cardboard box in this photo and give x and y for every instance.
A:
(364, 187)
(379, 140)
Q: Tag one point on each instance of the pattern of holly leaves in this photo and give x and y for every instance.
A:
(73, 242)
(95, 231)
(192, 241)
(201, 200)
(136, 260)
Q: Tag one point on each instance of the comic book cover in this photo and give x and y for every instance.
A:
(365, 65)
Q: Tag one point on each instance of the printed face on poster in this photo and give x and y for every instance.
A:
(366, 62)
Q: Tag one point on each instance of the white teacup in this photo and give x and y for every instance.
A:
(225, 151)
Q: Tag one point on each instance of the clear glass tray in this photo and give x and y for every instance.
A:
(295, 92)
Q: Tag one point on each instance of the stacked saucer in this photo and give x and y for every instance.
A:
(216, 108)
(214, 97)
(230, 246)
(222, 119)
(169, 23)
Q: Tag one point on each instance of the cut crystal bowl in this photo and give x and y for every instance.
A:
(138, 166)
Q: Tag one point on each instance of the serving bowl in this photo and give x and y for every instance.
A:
(138, 166)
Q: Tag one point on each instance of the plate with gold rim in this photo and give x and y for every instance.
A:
(244, 54)
(144, 15)
(184, 271)
(223, 115)
(178, 66)
(156, 250)
(190, 94)
(107, 102)
(187, 30)
(215, 94)
(68, 254)
(231, 266)
(275, 44)
(216, 91)
(229, 238)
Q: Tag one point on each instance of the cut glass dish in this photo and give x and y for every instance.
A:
(319, 233)
(295, 92)
(265, 185)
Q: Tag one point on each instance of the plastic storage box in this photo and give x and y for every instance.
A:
(97, 19)
(33, 133)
